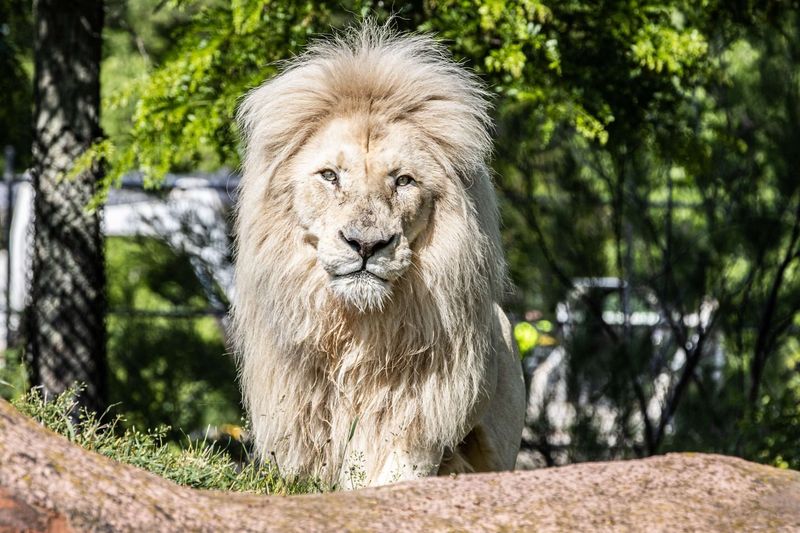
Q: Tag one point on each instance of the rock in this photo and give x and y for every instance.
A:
(16, 515)
(49, 484)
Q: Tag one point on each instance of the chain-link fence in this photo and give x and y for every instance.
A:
(190, 213)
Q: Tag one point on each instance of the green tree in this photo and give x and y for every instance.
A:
(693, 204)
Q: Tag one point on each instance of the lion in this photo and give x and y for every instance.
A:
(370, 341)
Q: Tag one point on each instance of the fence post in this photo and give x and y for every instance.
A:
(8, 176)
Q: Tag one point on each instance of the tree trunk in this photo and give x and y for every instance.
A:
(66, 316)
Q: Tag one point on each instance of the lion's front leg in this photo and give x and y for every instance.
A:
(381, 467)
(404, 465)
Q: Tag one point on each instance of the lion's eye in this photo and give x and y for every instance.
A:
(329, 175)
(403, 180)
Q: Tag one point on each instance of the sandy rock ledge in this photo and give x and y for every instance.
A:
(48, 484)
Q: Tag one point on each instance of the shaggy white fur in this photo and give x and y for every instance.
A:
(369, 367)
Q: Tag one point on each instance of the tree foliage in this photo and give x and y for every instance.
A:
(534, 55)
(16, 45)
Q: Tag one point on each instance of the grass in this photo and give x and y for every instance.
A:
(198, 465)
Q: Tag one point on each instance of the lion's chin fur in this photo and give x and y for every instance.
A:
(362, 291)
(339, 376)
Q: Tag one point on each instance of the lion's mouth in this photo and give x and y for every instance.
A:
(362, 275)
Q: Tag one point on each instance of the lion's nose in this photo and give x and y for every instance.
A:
(366, 248)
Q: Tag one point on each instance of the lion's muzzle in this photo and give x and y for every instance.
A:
(365, 245)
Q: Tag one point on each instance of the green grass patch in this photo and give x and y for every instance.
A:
(198, 464)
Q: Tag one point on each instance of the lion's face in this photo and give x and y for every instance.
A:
(364, 193)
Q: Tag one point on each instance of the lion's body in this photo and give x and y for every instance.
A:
(406, 367)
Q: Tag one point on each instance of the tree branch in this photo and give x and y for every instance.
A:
(765, 329)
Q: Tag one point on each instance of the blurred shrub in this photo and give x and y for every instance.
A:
(165, 370)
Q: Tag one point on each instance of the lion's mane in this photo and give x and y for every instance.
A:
(312, 370)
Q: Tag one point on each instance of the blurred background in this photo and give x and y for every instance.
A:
(647, 160)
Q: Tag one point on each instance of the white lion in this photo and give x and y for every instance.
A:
(369, 268)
